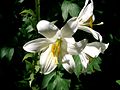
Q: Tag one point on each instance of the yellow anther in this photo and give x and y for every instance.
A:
(53, 49)
(56, 48)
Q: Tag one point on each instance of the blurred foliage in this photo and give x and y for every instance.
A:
(20, 70)
(118, 81)
(7, 53)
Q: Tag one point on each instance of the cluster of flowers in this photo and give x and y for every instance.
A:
(58, 46)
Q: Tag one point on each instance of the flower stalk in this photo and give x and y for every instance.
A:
(37, 9)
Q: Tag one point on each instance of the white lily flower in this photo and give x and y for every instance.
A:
(56, 44)
(92, 50)
(85, 20)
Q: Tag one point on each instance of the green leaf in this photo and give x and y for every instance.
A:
(65, 9)
(47, 79)
(90, 69)
(74, 10)
(62, 84)
(52, 85)
(69, 8)
(29, 28)
(118, 82)
(10, 53)
(28, 55)
(96, 62)
(78, 65)
(28, 65)
(94, 65)
(3, 52)
(59, 84)
(28, 12)
(37, 68)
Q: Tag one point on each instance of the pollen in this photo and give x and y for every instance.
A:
(56, 48)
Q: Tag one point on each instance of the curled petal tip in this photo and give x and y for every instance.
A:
(43, 25)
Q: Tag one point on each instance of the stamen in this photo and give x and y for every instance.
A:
(88, 23)
(56, 50)
(101, 23)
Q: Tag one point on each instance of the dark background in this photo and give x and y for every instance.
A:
(9, 24)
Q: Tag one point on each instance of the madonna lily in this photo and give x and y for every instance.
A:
(85, 20)
(56, 44)
(92, 50)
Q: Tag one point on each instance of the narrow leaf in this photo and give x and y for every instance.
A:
(29, 11)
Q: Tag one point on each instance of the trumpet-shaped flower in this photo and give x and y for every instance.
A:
(85, 20)
(56, 44)
(92, 50)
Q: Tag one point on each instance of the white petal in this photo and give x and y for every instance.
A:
(70, 40)
(95, 34)
(70, 27)
(68, 63)
(63, 49)
(86, 12)
(58, 35)
(81, 45)
(76, 48)
(47, 61)
(95, 48)
(81, 13)
(84, 59)
(92, 51)
(71, 46)
(46, 28)
(36, 45)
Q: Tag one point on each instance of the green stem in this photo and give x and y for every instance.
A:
(37, 8)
